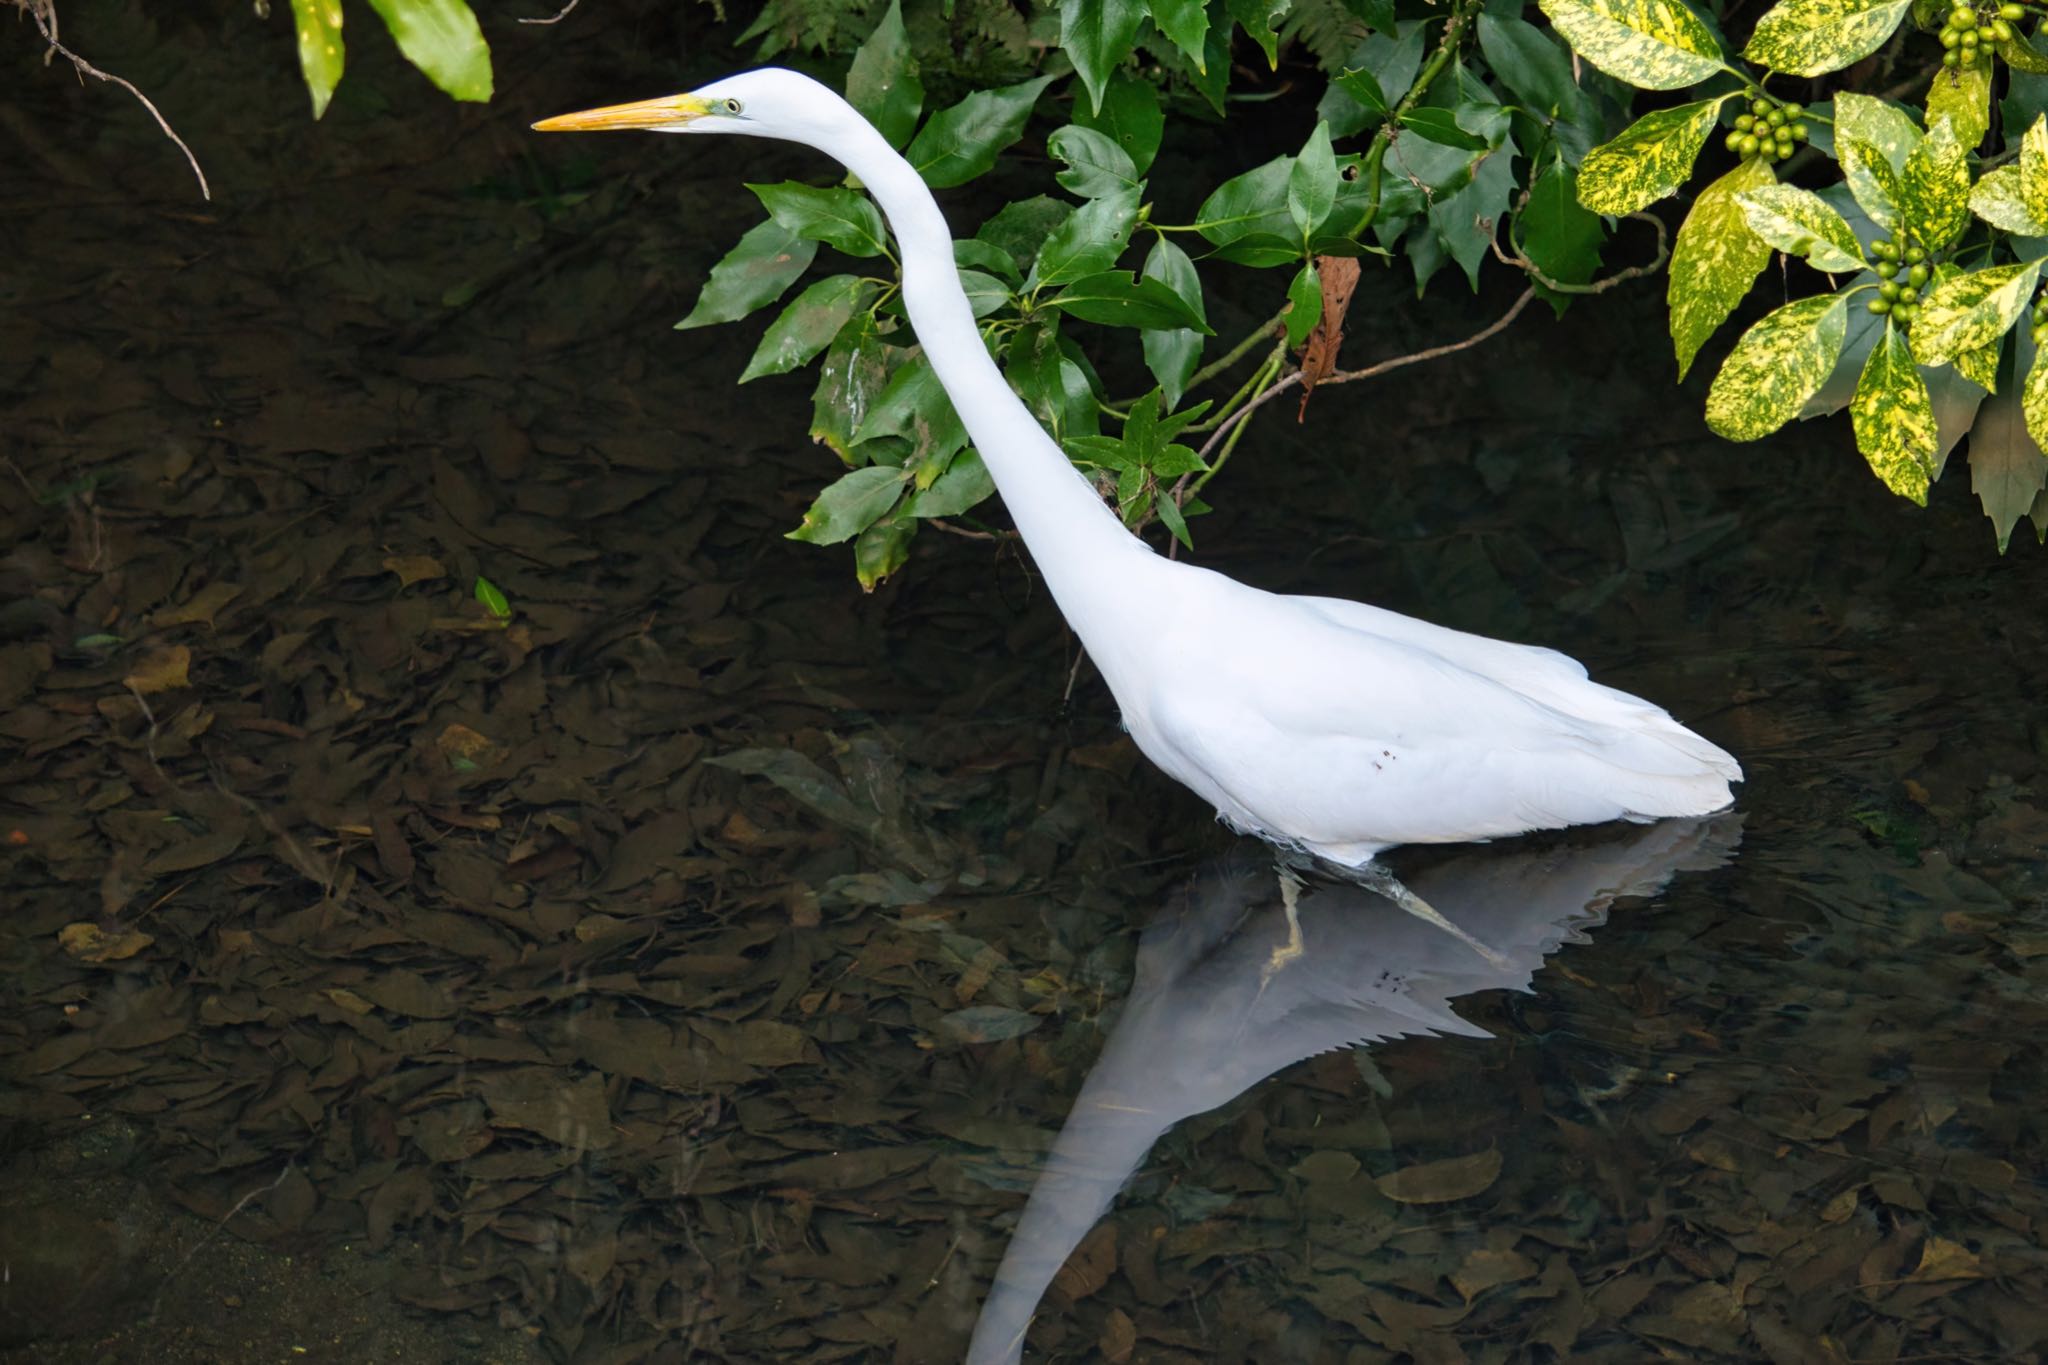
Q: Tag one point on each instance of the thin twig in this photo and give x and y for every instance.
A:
(1514, 256)
(559, 17)
(940, 523)
(44, 12)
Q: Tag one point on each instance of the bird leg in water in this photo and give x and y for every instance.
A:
(1290, 896)
(1376, 878)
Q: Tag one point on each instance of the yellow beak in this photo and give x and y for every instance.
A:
(665, 112)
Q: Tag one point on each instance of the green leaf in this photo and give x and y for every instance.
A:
(1174, 520)
(493, 598)
(965, 483)
(1129, 117)
(1171, 354)
(854, 371)
(915, 406)
(1087, 242)
(321, 51)
(961, 142)
(1363, 87)
(1441, 127)
(1654, 44)
(1963, 97)
(1972, 310)
(851, 504)
(1529, 63)
(808, 325)
(1894, 418)
(442, 39)
(1096, 35)
(883, 548)
(1558, 233)
(1114, 298)
(1800, 222)
(1650, 159)
(1934, 188)
(1715, 260)
(2022, 55)
(972, 253)
(1376, 75)
(1465, 220)
(1312, 183)
(766, 262)
(1809, 37)
(1251, 204)
(1185, 24)
(1095, 164)
(2015, 196)
(1257, 18)
(1021, 226)
(883, 82)
(1875, 186)
(1776, 367)
(2008, 469)
(986, 293)
(1304, 304)
(842, 218)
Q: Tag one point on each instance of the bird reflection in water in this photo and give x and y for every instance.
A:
(1227, 993)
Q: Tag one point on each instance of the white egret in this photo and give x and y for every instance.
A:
(1321, 725)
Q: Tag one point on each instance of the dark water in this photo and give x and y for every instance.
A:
(721, 965)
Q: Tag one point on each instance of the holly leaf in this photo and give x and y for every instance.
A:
(1130, 115)
(958, 143)
(1441, 127)
(1096, 35)
(2008, 469)
(1934, 188)
(442, 39)
(1962, 95)
(1715, 260)
(1809, 37)
(1558, 233)
(883, 83)
(883, 548)
(1529, 63)
(851, 504)
(1971, 310)
(766, 262)
(1894, 418)
(1312, 182)
(1801, 223)
(1087, 242)
(1095, 164)
(1185, 24)
(1654, 44)
(842, 218)
(321, 51)
(808, 325)
(1779, 364)
(1256, 18)
(1650, 159)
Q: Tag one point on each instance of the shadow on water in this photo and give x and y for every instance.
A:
(705, 964)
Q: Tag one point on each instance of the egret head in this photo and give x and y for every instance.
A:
(770, 102)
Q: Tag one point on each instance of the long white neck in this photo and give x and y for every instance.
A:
(1080, 545)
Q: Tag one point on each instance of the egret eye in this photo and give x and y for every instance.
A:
(732, 106)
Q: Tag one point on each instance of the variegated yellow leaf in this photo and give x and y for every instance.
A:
(1648, 160)
(1972, 310)
(2021, 55)
(1934, 187)
(1654, 44)
(1878, 122)
(1808, 37)
(1800, 222)
(2034, 398)
(1715, 260)
(2034, 167)
(1980, 367)
(1963, 96)
(1894, 418)
(2000, 200)
(1776, 367)
(1872, 180)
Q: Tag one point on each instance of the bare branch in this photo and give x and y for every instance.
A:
(44, 12)
(1515, 257)
(560, 14)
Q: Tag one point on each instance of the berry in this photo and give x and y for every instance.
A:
(2001, 30)
(1879, 306)
(1791, 110)
(1906, 312)
(1964, 19)
(1749, 144)
(1914, 255)
(1776, 118)
(1734, 143)
(1917, 276)
(1950, 37)
(1744, 122)
(1889, 290)
(1799, 132)
(1760, 107)
(2012, 14)
(1953, 57)
(1908, 295)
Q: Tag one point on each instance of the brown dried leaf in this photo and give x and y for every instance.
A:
(413, 569)
(1438, 1182)
(87, 942)
(163, 670)
(203, 605)
(1484, 1269)
(1942, 1259)
(1119, 1337)
(1339, 276)
(1089, 1268)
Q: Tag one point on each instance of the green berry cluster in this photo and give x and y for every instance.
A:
(1769, 130)
(1902, 267)
(1970, 33)
(2040, 320)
